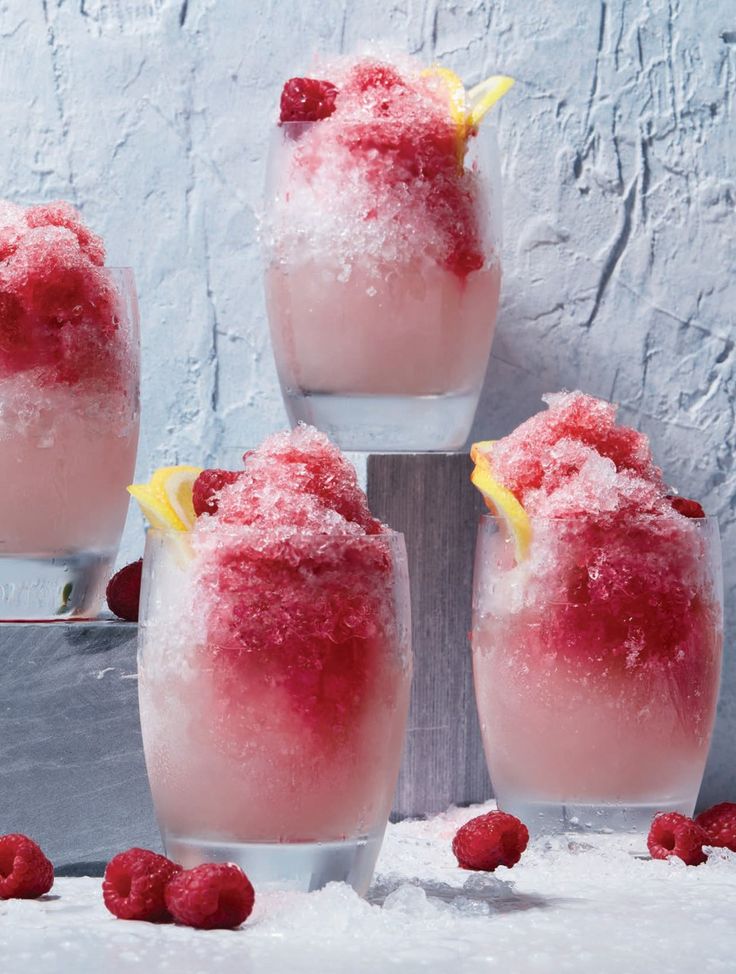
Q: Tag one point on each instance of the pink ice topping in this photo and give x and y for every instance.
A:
(294, 541)
(389, 149)
(58, 310)
(297, 482)
(574, 460)
(616, 573)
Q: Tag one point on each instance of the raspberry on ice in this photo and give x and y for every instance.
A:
(489, 841)
(719, 825)
(673, 834)
(25, 872)
(135, 883)
(207, 487)
(213, 896)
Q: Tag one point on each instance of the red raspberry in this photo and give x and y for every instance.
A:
(212, 896)
(491, 840)
(685, 506)
(25, 872)
(673, 834)
(135, 883)
(206, 488)
(123, 591)
(307, 100)
(719, 825)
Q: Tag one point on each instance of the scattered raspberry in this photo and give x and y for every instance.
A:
(685, 506)
(124, 591)
(491, 840)
(673, 834)
(25, 872)
(307, 100)
(135, 883)
(206, 488)
(211, 896)
(719, 825)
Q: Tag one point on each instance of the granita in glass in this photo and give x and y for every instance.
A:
(381, 233)
(69, 366)
(597, 629)
(274, 668)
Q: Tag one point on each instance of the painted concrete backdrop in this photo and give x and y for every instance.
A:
(618, 144)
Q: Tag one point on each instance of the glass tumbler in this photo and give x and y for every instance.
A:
(382, 281)
(69, 416)
(274, 692)
(596, 665)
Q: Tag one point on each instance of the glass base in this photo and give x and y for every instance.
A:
(553, 818)
(38, 589)
(304, 866)
(387, 424)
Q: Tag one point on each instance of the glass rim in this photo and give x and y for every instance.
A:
(571, 519)
(234, 527)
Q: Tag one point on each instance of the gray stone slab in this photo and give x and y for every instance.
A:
(429, 499)
(72, 773)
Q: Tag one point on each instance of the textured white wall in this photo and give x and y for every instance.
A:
(618, 145)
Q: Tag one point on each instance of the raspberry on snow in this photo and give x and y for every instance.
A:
(673, 834)
(214, 896)
(25, 872)
(719, 825)
(490, 840)
(123, 592)
(135, 883)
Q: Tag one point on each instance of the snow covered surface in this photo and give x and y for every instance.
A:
(564, 907)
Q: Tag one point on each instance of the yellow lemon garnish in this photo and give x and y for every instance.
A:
(166, 500)
(500, 500)
(482, 97)
(455, 92)
(481, 450)
(468, 108)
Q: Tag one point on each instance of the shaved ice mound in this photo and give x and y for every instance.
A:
(297, 577)
(573, 458)
(614, 568)
(298, 480)
(59, 310)
(381, 176)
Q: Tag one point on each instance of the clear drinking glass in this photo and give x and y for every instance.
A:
(596, 666)
(273, 725)
(381, 338)
(69, 416)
